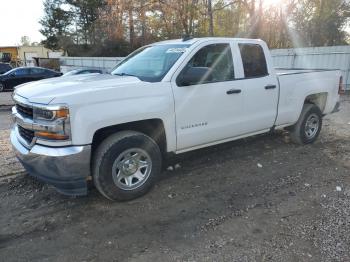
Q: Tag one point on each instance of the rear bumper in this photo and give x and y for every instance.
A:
(66, 168)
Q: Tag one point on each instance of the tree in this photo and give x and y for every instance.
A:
(116, 27)
(321, 22)
(25, 40)
(86, 16)
(211, 20)
(55, 24)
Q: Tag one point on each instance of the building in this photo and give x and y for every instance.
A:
(11, 51)
(24, 55)
(28, 53)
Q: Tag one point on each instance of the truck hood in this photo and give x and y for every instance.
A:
(45, 91)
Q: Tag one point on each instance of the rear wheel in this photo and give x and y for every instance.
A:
(126, 165)
(308, 127)
(1, 87)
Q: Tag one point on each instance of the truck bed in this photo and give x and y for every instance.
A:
(298, 84)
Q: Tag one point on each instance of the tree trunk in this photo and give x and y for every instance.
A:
(211, 20)
(131, 25)
(143, 23)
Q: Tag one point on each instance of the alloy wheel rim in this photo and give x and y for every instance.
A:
(131, 169)
(311, 126)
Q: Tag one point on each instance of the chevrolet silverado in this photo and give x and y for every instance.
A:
(167, 97)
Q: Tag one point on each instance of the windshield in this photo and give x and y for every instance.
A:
(150, 63)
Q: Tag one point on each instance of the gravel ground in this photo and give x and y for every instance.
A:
(5, 119)
(6, 99)
(9, 166)
(257, 199)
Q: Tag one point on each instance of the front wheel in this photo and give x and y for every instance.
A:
(308, 127)
(126, 165)
(2, 88)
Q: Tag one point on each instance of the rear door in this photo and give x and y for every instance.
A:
(24, 76)
(260, 91)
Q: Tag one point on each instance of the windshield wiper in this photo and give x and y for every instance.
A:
(125, 74)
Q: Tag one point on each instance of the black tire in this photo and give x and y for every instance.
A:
(299, 133)
(2, 87)
(107, 155)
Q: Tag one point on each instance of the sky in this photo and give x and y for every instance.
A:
(20, 18)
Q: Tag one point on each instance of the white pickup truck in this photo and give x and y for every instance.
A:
(167, 97)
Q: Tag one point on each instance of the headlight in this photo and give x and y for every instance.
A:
(50, 115)
(52, 123)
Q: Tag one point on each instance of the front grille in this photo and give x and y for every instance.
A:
(26, 134)
(24, 111)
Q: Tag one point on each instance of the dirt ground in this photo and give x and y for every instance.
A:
(257, 199)
(6, 98)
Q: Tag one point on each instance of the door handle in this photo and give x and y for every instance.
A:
(233, 91)
(270, 87)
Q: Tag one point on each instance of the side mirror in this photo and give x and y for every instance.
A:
(195, 75)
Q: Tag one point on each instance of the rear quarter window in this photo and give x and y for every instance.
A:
(254, 61)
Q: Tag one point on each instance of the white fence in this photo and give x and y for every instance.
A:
(333, 57)
(103, 63)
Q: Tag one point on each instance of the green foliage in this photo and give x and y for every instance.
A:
(86, 14)
(322, 22)
(25, 40)
(55, 24)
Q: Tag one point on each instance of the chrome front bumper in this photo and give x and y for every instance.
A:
(66, 168)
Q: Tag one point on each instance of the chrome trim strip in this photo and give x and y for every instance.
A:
(22, 121)
(57, 143)
(58, 151)
(22, 140)
(22, 101)
(46, 127)
(16, 143)
(51, 107)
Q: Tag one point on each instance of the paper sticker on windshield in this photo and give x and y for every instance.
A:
(176, 50)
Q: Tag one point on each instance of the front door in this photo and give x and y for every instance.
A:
(210, 109)
(19, 76)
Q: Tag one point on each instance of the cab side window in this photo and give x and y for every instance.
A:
(216, 60)
(254, 62)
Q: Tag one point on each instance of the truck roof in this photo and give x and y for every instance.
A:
(191, 41)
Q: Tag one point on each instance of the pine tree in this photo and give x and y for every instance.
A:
(55, 24)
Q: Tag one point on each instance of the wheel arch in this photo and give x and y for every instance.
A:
(317, 99)
(153, 128)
